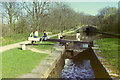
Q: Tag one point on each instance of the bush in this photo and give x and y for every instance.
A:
(5, 30)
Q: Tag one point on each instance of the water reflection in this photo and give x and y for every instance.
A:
(85, 36)
(89, 36)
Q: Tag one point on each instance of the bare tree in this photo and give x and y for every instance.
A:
(61, 17)
(11, 10)
(36, 10)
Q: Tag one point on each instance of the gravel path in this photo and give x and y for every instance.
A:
(11, 46)
(39, 51)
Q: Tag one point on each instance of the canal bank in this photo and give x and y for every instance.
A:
(107, 52)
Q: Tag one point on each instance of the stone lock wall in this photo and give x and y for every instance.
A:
(57, 70)
(59, 64)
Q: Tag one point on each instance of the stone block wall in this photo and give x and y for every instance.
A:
(59, 64)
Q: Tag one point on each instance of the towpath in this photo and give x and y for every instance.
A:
(11, 46)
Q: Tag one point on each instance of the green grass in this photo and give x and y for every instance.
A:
(72, 32)
(55, 37)
(108, 33)
(16, 62)
(109, 48)
(45, 46)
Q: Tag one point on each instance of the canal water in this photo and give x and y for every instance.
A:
(85, 36)
(79, 69)
(84, 65)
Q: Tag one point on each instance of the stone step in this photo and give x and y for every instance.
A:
(30, 75)
(97, 51)
(100, 57)
(95, 48)
(96, 45)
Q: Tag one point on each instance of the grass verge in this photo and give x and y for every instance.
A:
(109, 49)
(45, 45)
(55, 37)
(16, 62)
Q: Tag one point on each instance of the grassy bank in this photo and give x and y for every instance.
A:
(16, 62)
(107, 33)
(45, 46)
(109, 49)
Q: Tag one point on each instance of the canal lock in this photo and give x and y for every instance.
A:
(82, 63)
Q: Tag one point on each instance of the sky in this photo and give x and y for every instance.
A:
(61, 0)
(91, 7)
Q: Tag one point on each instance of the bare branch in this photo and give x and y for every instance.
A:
(39, 7)
(27, 9)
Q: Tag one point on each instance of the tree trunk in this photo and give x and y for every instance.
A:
(10, 17)
(11, 25)
(37, 17)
